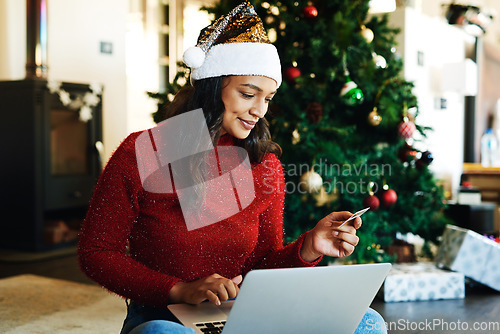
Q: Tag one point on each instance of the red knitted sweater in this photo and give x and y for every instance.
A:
(162, 251)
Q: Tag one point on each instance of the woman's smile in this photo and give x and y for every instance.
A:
(248, 125)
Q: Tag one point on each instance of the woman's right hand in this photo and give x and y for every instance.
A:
(215, 288)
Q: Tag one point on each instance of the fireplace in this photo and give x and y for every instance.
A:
(49, 167)
(50, 158)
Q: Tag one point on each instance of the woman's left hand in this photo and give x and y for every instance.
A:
(327, 239)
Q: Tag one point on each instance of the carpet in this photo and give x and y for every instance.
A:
(31, 304)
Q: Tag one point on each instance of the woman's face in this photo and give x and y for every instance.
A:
(245, 98)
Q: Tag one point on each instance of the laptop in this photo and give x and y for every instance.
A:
(328, 299)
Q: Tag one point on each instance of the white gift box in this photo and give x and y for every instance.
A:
(472, 254)
(421, 281)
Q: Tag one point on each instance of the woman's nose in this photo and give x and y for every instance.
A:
(259, 110)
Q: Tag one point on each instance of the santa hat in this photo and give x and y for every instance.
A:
(235, 44)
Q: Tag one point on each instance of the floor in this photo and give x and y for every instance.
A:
(480, 308)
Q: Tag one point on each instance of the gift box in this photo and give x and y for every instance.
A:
(472, 254)
(421, 281)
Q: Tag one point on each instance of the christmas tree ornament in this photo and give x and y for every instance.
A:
(311, 182)
(379, 61)
(323, 197)
(291, 73)
(425, 159)
(407, 153)
(310, 12)
(351, 94)
(388, 197)
(406, 129)
(314, 112)
(371, 200)
(295, 137)
(367, 34)
(374, 118)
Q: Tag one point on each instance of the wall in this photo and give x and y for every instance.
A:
(436, 43)
(142, 68)
(75, 30)
(435, 8)
(488, 97)
(12, 39)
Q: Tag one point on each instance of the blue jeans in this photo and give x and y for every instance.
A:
(143, 319)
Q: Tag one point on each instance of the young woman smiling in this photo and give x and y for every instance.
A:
(136, 243)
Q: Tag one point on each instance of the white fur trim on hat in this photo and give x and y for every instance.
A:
(240, 59)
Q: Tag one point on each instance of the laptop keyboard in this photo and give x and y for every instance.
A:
(211, 327)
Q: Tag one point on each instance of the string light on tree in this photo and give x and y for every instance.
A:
(295, 137)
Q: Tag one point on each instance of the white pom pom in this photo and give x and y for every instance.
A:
(194, 57)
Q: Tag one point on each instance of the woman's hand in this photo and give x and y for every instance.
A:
(215, 288)
(326, 239)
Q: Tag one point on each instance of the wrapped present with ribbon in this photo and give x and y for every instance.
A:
(421, 281)
(470, 253)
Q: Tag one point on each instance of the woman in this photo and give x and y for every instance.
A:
(137, 243)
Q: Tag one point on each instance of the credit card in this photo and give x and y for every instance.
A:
(354, 216)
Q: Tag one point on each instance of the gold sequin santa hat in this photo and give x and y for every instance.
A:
(235, 44)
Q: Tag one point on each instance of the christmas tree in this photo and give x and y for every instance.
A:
(346, 119)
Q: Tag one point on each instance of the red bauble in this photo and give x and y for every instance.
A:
(310, 12)
(371, 201)
(291, 73)
(388, 198)
(407, 153)
(406, 129)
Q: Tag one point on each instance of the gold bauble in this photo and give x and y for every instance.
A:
(374, 118)
(367, 34)
(311, 182)
(322, 197)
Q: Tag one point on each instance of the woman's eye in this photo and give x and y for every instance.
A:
(247, 96)
(268, 100)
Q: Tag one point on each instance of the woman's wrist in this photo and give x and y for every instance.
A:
(307, 252)
(175, 296)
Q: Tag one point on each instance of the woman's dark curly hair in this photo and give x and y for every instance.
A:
(207, 94)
